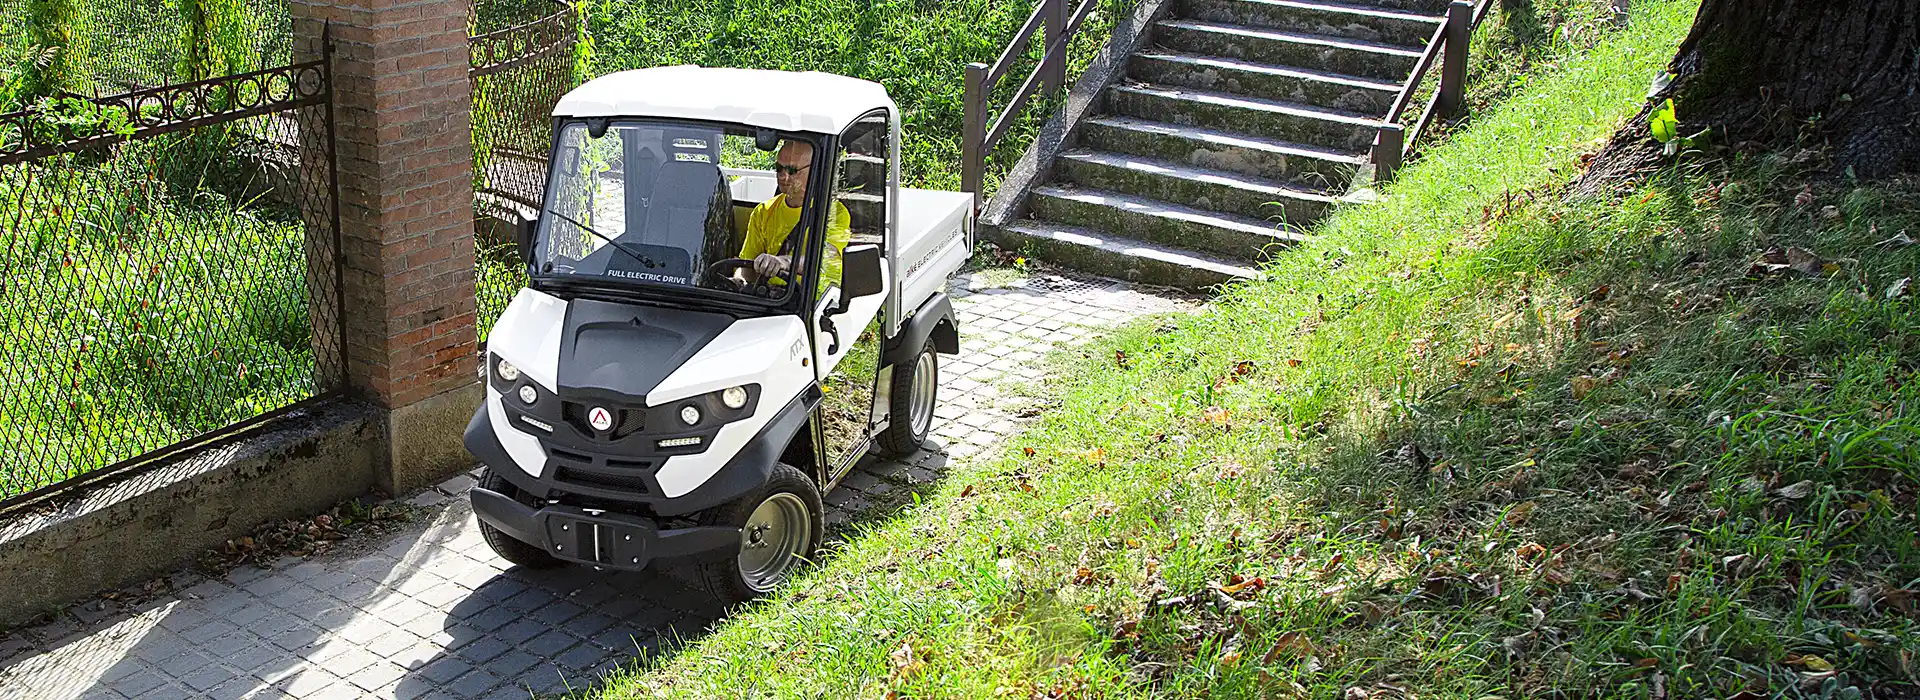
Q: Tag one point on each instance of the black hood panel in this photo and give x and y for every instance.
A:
(620, 352)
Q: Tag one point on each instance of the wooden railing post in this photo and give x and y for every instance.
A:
(1388, 147)
(973, 140)
(1053, 59)
(1453, 67)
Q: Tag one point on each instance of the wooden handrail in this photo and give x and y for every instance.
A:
(1419, 73)
(981, 132)
(1392, 145)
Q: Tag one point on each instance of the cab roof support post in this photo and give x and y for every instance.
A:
(402, 103)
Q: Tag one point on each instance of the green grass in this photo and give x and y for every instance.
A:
(1477, 439)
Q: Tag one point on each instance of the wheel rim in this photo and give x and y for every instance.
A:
(774, 541)
(925, 381)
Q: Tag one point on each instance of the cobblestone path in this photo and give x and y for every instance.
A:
(431, 612)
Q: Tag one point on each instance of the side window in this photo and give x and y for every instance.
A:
(861, 184)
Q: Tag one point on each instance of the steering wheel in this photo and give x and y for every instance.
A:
(720, 275)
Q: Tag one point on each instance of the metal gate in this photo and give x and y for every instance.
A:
(523, 55)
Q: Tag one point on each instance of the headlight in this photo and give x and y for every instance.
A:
(690, 415)
(527, 394)
(505, 370)
(734, 398)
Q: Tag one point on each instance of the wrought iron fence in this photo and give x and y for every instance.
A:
(170, 267)
(523, 56)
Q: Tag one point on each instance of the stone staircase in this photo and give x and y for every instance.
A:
(1237, 124)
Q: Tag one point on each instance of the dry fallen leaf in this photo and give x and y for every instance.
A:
(1898, 241)
(905, 661)
(1520, 512)
(1796, 491)
(1251, 585)
(1583, 385)
(1097, 455)
(1217, 415)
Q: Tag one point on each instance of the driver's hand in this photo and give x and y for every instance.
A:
(767, 265)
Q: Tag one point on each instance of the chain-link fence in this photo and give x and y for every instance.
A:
(171, 271)
(523, 55)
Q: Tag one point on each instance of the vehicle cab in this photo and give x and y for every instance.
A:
(732, 301)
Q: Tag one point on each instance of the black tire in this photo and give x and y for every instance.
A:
(726, 577)
(902, 436)
(519, 553)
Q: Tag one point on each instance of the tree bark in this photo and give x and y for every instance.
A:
(1768, 72)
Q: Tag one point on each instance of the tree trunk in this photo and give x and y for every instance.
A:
(1844, 72)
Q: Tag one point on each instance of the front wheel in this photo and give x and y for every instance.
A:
(781, 525)
(911, 398)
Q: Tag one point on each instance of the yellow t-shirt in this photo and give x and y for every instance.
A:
(768, 226)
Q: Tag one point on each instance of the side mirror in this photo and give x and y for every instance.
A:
(523, 233)
(860, 272)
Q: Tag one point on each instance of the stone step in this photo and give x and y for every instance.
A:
(1366, 23)
(1232, 75)
(1121, 258)
(1273, 46)
(1273, 119)
(1200, 188)
(1227, 235)
(1220, 150)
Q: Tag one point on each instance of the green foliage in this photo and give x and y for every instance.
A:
(1664, 122)
(218, 38)
(58, 54)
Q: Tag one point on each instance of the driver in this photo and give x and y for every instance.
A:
(775, 219)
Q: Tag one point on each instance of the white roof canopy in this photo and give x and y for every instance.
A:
(781, 100)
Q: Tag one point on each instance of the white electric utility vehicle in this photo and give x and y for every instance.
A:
(659, 393)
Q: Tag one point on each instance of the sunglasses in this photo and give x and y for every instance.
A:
(789, 170)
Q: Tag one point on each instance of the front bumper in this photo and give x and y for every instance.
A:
(608, 540)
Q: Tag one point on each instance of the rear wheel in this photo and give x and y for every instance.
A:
(911, 399)
(503, 544)
(781, 525)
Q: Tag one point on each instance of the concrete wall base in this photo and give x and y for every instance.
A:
(424, 440)
(154, 523)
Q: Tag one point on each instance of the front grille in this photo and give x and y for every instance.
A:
(632, 483)
(626, 421)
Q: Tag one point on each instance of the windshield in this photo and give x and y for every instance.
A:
(649, 204)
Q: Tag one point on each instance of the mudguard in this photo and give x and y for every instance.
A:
(934, 319)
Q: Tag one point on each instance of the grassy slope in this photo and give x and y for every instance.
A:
(1614, 427)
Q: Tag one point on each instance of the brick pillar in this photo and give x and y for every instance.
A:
(403, 108)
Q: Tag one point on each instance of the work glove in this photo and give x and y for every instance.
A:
(768, 265)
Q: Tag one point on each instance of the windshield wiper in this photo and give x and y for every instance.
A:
(637, 257)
